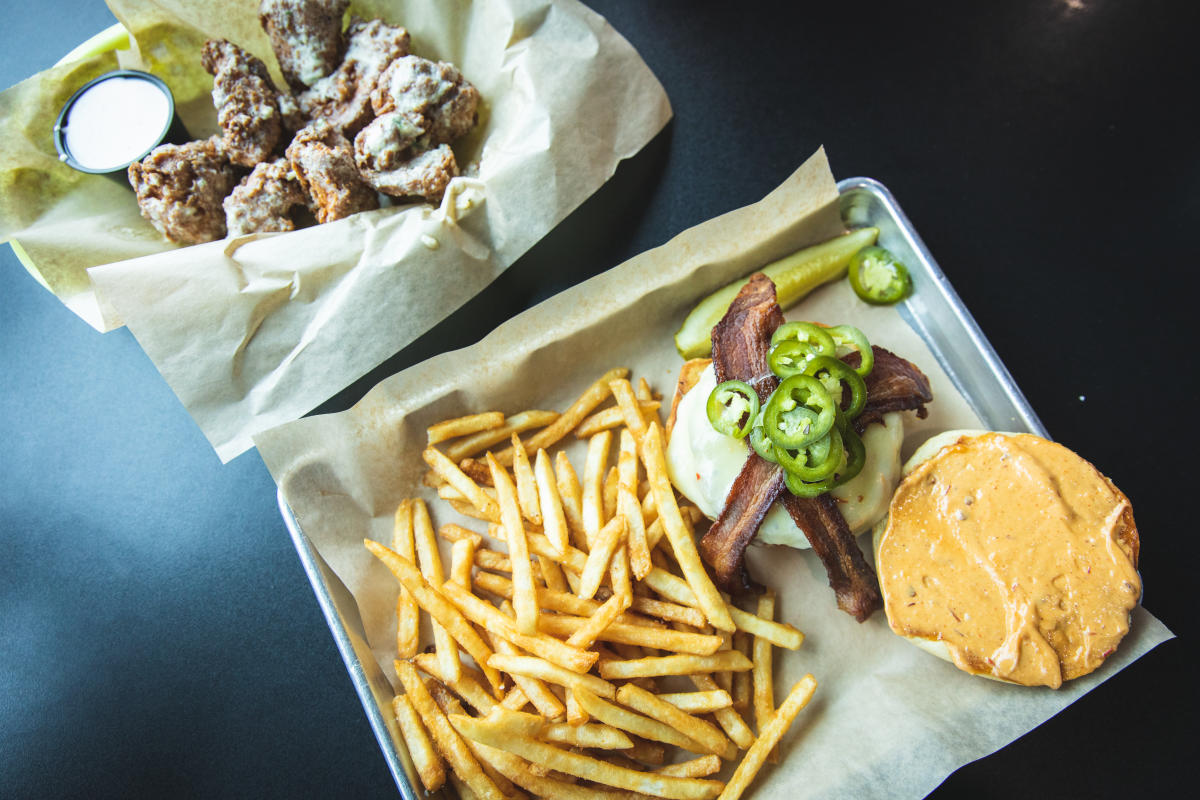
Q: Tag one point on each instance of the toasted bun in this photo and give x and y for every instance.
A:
(1125, 533)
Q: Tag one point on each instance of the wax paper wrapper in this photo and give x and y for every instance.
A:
(887, 719)
(254, 331)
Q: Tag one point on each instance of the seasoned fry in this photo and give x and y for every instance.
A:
(627, 720)
(455, 533)
(730, 721)
(630, 408)
(671, 612)
(517, 423)
(490, 618)
(491, 731)
(629, 507)
(469, 687)
(554, 520)
(609, 418)
(533, 667)
(696, 768)
(592, 397)
(448, 742)
(682, 543)
(592, 508)
(605, 542)
(420, 749)
(698, 702)
(697, 644)
(437, 607)
(407, 617)
(769, 737)
(524, 591)
(527, 492)
(601, 737)
(694, 728)
(674, 665)
(463, 426)
(586, 634)
(430, 563)
(448, 471)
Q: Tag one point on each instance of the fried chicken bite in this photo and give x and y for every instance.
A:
(265, 199)
(306, 36)
(323, 161)
(344, 97)
(290, 112)
(246, 102)
(391, 160)
(432, 90)
(180, 188)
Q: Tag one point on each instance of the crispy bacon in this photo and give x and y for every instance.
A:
(742, 339)
(893, 384)
(850, 576)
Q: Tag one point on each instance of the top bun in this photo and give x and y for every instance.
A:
(1009, 555)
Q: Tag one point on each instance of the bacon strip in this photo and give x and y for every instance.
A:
(850, 576)
(893, 384)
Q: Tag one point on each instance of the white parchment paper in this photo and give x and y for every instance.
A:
(888, 720)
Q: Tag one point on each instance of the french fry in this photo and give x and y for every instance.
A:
(604, 543)
(449, 704)
(601, 737)
(437, 606)
(407, 614)
(592, 397)
(664, 610)
(696, 768)
(592, 508)
(517, 423)
(545, 701)
(693, 644)
(515, 700)
(609, 418)
(527, 776)
(454, 533)
(448, 742)
(698, 702)
(524, 591)
(575, 713)
(647, 752)
(463, 426)
(430, 564)
(549, 599)
(682, 543)
(629, 507)
(674, 665)
(594, 627)
(571, 493)
(490, 559)
(492, 732)
(462, 558)
(477, 471)
(763, 673)
(541, 669)
(777, 633)
(627, 720)
(741, 681)
(448, 471)
(527, 492)
(469, 687)
(644, 392)
(630, 407)
(428, 763)
(769, 737)
(554, 520)
(490, 618)
(618, 573)
(730, 721)
(702, 733)
(610, 493)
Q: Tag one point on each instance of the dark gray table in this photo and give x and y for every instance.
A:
(157, 636)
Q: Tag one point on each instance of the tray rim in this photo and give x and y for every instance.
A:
(310, 560)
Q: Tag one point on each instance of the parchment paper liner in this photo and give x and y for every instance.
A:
(888, 720)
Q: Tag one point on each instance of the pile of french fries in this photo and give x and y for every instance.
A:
(585, 628)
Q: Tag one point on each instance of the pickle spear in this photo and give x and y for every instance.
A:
(794, 276)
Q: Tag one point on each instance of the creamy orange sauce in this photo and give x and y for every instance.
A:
(1016, 553)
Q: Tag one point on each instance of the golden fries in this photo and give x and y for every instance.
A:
(420, 749)
(768, 737)
(582, 636)
(462, 426)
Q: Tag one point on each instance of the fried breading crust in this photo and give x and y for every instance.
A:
(264, 200)
(180, 188)
(306, 36)
(323, 161)
(246, 102)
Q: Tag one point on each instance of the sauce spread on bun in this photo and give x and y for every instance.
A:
(1015, 554)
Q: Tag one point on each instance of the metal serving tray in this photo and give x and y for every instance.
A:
(934, 311)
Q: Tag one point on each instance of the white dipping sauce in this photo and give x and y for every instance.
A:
(115, 122)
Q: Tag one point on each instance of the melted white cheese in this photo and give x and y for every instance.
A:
(703, 465)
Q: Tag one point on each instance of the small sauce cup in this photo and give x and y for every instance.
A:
(114, 120)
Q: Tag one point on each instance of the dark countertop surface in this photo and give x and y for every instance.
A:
(158, 637)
